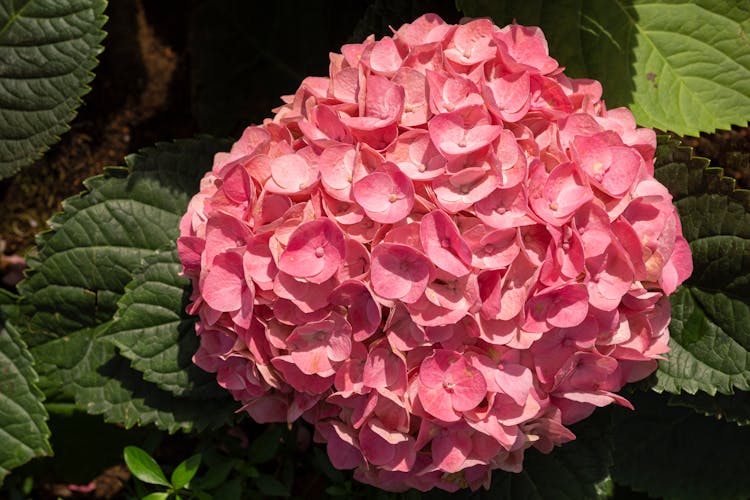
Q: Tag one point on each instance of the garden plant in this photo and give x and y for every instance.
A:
(471, 252)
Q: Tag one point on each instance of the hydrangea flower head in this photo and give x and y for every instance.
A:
(440, 255)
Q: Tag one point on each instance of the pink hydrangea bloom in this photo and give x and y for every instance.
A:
(440, 255)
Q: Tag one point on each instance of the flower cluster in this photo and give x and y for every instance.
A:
(440, 255)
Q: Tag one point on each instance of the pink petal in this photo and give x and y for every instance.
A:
(384, 100)
(459, 191)
(450, 450)
(307, 296)
(383, 368)
(376, 450)
(504, 208)
(416, 156)
(190, 249)
(363, 312)
(337, 169)
(497, 249)
(508, 96)
(437, 403)
(236, 185)
(469, 385)
(314, 251)
(416, 110)
(386, 197)
(443, 243)
(678, 268)
(290, 174)
(453, 136)
(258, 262)
(385, 58)
(310, 384)
(399, 272)
(223, 282)
(356, 263)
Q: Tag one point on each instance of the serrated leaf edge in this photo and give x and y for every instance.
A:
(84, 88)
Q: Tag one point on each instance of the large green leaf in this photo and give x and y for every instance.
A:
(152, 329)
(81, 270)
(710, 328)
(680, 65)
(48, 49)
(103, 383)
(674, 453)
(83, 263)
(23, 429)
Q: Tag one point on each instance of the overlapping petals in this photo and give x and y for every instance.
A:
(440, 255)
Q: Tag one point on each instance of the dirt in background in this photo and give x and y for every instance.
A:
(138, 97)
(728, 149)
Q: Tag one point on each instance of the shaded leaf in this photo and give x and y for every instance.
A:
(710, 328)
(231, 490)
(216, 474)
(152, 329)
(680, 65)
(675, 453)
(269, 486)
(23, 428)
(103, 383)
(734, 408)
(76, 464)
(48, 50)
(265, 446)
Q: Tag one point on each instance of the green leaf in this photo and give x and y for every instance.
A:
(81, 266)
(265, 446)
(185, 471)
(152, 329)
(231, 490)
(216, 474)
(681, 65)
(675, 453)
(103, 382)
(734, 408)
(710, 328)
(272, 487)
(157, 495)
(574, 469)
(144, 467)
(23, 429)
(322, 463)
(81, 269)
(48, 50)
